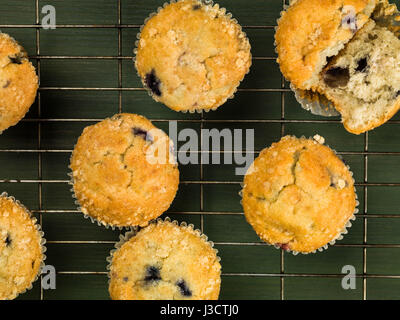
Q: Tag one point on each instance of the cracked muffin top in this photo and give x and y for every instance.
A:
(311, 31)
(192, 56)
(123, 171)
(298, 195)
(165, 261)
(21, 251)
(18, 82)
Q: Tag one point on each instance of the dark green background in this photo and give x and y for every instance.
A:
(86, 74)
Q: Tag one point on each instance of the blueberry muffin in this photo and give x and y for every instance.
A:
(123, 171)
(311, 31)
(345, 52)
(192, 56)
(298, 195)
(18, 82)
(363, 81)
(21, 250)
(165, 261)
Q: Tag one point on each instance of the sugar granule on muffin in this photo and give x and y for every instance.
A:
(298, 195)
(21, 248)
(114, 179)
(18, 82)
(165, 261)
(192, 56)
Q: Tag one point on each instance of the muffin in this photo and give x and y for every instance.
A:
(363, 81)
(311, 31)
(18, 82)
(336, 50)
(191, 56)
(164, 261)
(21, 250)
(298, 195)
(123, 171)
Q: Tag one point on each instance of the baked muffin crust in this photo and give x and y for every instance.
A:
(298, 195)
(192, 56)
(21, 251)
(18, 82)
(165, 261)
(114, 180)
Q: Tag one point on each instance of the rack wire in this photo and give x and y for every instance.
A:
(282, 275)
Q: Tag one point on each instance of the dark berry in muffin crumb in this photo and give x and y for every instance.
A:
(145, 135)
(153, 83)
(152, 274)
(283, 246)
(337, 77)
(185, 291)
(362, 65)
(8, 240)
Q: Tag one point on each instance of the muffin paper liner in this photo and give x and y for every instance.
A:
(224, 12)
(317, 103)
(347, 226)
(123, 238)
(42, 240)
(314, 102)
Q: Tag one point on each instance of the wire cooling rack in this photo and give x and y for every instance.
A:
(86, 74)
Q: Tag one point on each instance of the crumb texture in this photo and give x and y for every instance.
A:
(18, 82)
(192, 56)
(20, 249)
(298, 195)
(310, 31)
(165, 261)
(363, 81)
(114, 179)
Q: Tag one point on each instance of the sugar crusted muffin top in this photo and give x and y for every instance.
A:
(165, 261)
(117, 178)
(20, 248)
(192, 56)
(18, 82)
(298, 195)
(310, 31)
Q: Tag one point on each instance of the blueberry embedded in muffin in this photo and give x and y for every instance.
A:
(114, 180)
(21, 248)
(298, 195)
(152, 274)
(192, 56)
(164, 261)
(18, 82)
(153, 83)
(183, 288)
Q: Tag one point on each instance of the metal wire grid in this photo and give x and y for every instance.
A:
(283, 121)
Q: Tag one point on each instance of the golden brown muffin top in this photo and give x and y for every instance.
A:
(298, 195)
(117, 177)
(165, 261)
(192, 56)
(21, 251)
(18, 82)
